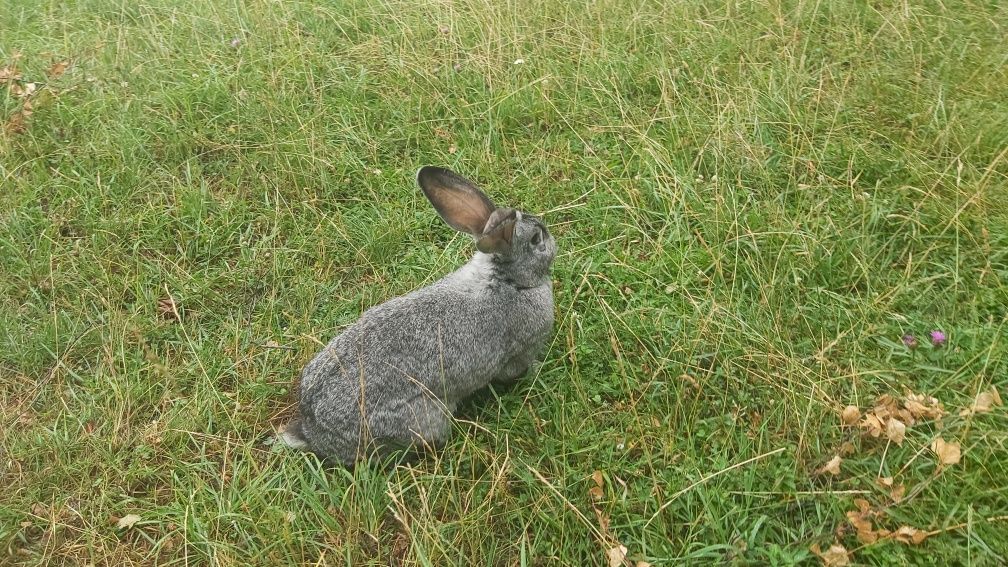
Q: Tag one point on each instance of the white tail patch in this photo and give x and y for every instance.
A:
(290, 439)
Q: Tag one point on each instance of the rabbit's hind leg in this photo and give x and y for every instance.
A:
(427, 429)
(291, 435)
(515, 368)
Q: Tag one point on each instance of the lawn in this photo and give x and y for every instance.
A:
(754, 203)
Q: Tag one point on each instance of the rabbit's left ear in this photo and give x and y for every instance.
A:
(498, 232)
(459, 202)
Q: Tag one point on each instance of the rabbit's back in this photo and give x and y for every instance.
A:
(394, 377)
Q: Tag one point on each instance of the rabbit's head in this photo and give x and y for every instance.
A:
(519, 243)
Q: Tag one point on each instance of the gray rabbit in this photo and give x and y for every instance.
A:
(393, 379)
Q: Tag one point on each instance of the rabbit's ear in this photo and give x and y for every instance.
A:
(459, 202)
(497, 234)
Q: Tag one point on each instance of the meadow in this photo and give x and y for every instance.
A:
(763, 211)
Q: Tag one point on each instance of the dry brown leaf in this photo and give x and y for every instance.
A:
(863, 526)
(908, 534)
(847, 448)
(9, 73)
(984, 402)
(18, 122)
(617, 555)
(948, 452)
(873, 424)
(603, 520)
(896, 431)
(863, 505)
(885, 405)
(867, 537)
(850, 415)
(905, 416)
(835, 556)
(642, 564)
(57, 69)
(596, 490)
(923, 407)
(168, 309)
(127, 521)
(24, 91)
(897, 492)
(832, 467)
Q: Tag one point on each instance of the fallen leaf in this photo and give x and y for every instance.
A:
(168, 309)
(617, 555)
(17, 123)
(847, 448)
(23, 91)
(832, 467)
(603, 520)
(923, 407)
(863, 505)
(835, 556)
(948, 452)
(996, 395)
(885, 404)
(873, 424)
(596, 490)
(896, 431)
(863, 526)
(850, 415)
(984, 402)
(9, 74)
(642, 564)
(127, 521)
(908, 534)
(897, 492)
(905, 416)
(57, 69)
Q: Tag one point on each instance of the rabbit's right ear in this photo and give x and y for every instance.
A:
(459, 202)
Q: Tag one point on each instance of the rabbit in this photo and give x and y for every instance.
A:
(392, 380)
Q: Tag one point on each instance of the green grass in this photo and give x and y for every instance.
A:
(763, 197)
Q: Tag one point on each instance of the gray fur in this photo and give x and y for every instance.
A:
(393, 379)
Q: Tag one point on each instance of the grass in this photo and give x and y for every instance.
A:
(754, 202)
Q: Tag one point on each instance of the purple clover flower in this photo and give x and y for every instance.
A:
(937, 338)
(910, 341)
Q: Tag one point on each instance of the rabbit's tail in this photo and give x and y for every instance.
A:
(292, 435)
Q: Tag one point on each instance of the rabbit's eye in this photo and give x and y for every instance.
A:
(537, 237)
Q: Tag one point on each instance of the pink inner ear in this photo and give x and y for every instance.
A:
(497, 218)
(499, 232)
(459, 202)
(465, 214)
